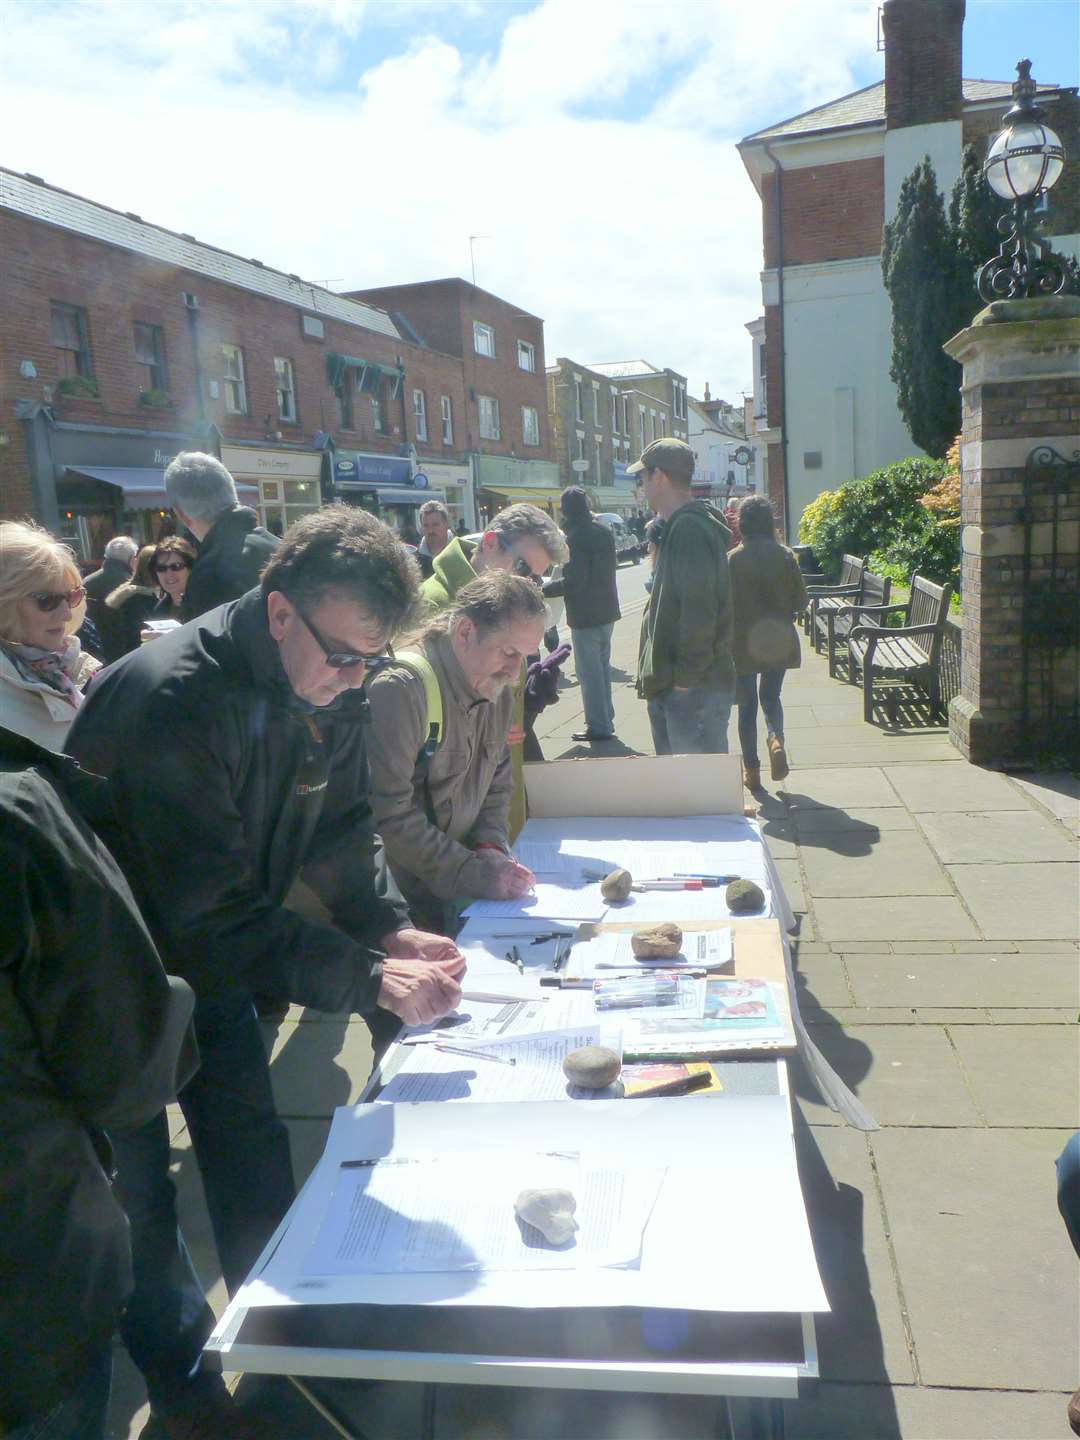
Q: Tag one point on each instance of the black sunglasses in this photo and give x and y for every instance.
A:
(347, 659)
(49, 600)
(167, 569)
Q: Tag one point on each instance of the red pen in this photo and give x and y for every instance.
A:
(669, 885)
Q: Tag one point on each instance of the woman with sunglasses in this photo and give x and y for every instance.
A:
(129, 605)
(43, 668)
(171, 566)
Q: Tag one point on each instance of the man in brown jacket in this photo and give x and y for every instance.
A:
(444, 814)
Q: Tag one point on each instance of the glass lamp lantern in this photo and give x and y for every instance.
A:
(1025, 160)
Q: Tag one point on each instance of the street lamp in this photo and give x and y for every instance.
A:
(1025, 160)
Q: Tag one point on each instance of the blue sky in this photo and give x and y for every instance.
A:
(364, 141)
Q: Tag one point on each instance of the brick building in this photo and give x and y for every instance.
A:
(124, 342)
(503, 424)
(824, 404)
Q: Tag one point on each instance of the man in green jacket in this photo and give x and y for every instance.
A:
(525, 540)
(685, 670)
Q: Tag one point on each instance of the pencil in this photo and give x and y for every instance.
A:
(477, 1054)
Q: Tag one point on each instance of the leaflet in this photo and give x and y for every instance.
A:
(536, 1074)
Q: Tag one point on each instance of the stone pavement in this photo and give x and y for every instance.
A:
(938, 966)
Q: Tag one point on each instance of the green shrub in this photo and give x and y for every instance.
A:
(880, 515)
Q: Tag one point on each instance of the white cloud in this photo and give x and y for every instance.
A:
(307, 136)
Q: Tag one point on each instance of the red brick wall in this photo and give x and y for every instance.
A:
(117, 288)
(776, 486)
(447, 310)
(774, 369)
(828, 212)
(923, 51)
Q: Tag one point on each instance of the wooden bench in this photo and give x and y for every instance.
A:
(834, 615)
(910, 651)
(849, 583)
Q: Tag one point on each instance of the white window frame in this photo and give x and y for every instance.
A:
(652, 423)
(527, 412)
(641, 426)
(419, 405)
(598, 444)
(614, 411)
(491, 405)
(663, 425)
(285, 381)
(626, 429)
(235, 386)
(529, 350)
(483, 335)
(447, 410)
(579, 409)
(596, 403)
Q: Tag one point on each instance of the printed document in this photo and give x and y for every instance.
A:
(537, 1074)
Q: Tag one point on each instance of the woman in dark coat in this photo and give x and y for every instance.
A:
(768, 591)
(131, 604)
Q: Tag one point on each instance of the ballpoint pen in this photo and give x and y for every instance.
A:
(477, 1054)
(515, 955)
(708, 879)
(680, 884)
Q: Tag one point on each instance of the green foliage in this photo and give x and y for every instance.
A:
(920, 268)
(154, 399)
(881, 515)
(77, 386)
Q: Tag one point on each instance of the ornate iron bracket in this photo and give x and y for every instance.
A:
(1024, 267)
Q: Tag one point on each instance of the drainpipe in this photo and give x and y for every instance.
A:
(783, 350)
(193, 329)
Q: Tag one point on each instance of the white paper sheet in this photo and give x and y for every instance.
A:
(546, 902)
(705, 949)
(740, 1166)
(456, 1212)
(430, 1074)
(480, 1021)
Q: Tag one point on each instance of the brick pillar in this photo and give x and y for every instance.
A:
(1021, 389)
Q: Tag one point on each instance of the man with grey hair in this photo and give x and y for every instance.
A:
(233, 546)
(435, 532)
(442, 804)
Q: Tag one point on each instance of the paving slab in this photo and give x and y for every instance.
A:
(995, 836)
(1040, 901)
(792, 881)
(987, 1270)
(918, 751)
(928, 917)
(924, 788)
(898, 862)
(824, 819)
(1058, 791)
(823, 975)
(916, 1412)
(779, 836)
(855, 787)
(1022, 1074)
(954, 1015)
(314, 1068)
(1033, 1017)
(903, 1074)
(945, 980)
(863, 1336)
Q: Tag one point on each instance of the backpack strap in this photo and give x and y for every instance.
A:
(421, 666)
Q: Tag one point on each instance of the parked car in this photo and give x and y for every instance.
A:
(627, 545)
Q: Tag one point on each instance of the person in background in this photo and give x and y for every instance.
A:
(233, 546)
(654, 537)
(247, 731)
(435, 527)
(1068, 1198)
(526, 541)
(173, 560)
(131, 603)
(117, 565)
(93, 1033)
(731, 520)
(444, 816)
(768, 591)
(592, 607)
(43, 668)
(684, 663)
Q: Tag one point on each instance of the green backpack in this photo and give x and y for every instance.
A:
(421, 666)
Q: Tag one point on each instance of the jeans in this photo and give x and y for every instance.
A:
(690, 722)
(747, 688)
(82, 1415)
(592, 657)
(242, 1148)
(1068, 1177)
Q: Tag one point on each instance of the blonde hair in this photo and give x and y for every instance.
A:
(31, 562)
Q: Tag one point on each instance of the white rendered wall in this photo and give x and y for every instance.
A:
(841, 401)
(904, 149)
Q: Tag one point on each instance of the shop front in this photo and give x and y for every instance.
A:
(455, 482)
(386, 485)
(94, 482)
(286, 483)
(503, 480)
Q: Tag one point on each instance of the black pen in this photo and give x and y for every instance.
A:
(681, 1086)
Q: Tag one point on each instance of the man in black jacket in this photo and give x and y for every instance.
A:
(117, 568)
(233, 546)
(93, 1033)
(236, 757)
(592, 607)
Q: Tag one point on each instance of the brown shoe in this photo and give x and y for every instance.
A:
(779, 769)
(752, 777)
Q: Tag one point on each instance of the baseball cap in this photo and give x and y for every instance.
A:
(674, 457)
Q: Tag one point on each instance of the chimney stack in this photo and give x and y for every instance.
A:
(923, 59)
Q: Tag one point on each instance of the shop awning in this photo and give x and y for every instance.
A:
(369, 373)
(144, 489)
(525, 492)
(390, 494)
